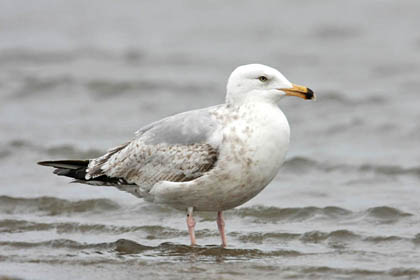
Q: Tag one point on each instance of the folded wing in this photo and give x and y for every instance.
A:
(179, 148)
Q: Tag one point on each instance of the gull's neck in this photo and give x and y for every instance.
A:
(252, 103)
(238, 99)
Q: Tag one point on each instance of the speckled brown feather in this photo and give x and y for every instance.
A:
(145, 165)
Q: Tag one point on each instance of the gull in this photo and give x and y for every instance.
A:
(210, 159)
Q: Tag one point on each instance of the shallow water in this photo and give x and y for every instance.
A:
(79, 77)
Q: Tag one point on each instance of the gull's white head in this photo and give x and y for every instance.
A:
(257, 82)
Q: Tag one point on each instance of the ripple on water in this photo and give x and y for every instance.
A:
(385, 214)
(340, 236)
(156, 232)
(317, 236)
(151, 232)
(274, 214)
(68, 151)
(166, 249)
(54, 206)
(306, 164)
(261, 237)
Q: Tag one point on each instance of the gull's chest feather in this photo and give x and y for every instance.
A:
(256, 138)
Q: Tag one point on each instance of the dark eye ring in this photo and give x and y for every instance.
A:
(262, 78)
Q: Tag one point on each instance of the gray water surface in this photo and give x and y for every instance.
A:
(79, 77)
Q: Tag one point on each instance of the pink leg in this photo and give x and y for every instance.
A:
(191, 225)
(221, 226)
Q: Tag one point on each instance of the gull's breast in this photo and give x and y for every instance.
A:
(254, 145)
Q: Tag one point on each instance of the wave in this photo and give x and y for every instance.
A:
(343, 99)
(17, 56)
(272, 214)
(54, 206)
(386, 213)
(130, 56)
(103, 88)
(39, 57)
(169, 249)
(264, 214)
(155, 232)
(304, 164)
(68, 151)
(390, 170)
(113, 88)
(301, 164)
(152, 231)
(355, 273)
(318, 236)
(336, 236)
(324, 32)
(71, 151)
(128, 247)
(261, 237)
(29, 86)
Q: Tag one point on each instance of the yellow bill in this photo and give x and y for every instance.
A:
(299, 91)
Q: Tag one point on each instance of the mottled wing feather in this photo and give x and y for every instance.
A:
(95, 166)
(178, 149)
(146, 165)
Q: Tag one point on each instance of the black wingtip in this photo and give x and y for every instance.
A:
(70, 164)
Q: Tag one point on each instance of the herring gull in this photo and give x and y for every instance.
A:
(210, 159)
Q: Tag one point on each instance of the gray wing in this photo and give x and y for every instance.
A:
(179, 148)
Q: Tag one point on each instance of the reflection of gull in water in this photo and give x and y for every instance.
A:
(212, 159)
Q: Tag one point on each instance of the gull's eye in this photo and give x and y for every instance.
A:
(263, 78)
